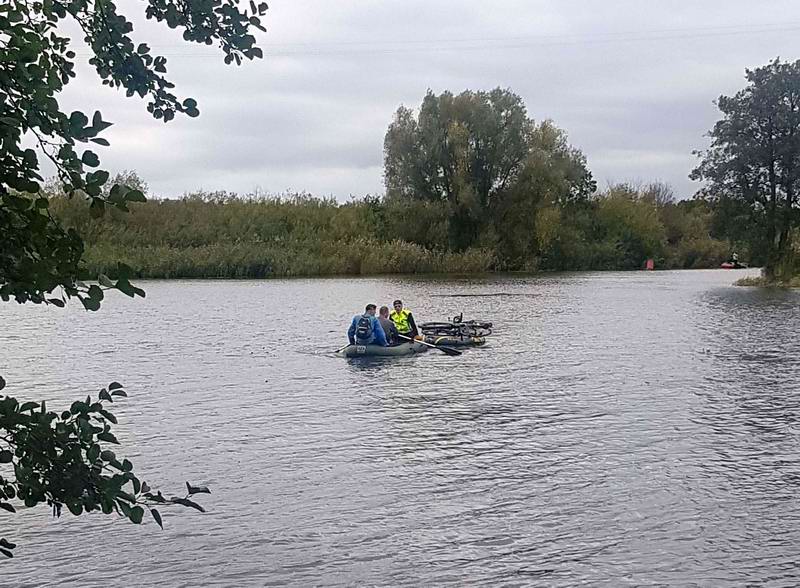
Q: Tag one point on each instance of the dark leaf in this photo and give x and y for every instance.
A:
(124, 507)
(99, 177)
(137, 513)
(107, 455)
(75, 508)
(125, 496)
(155, 497)
(90, 303)
(187, 502)
(109, 416)
(98, 124)
(95, 292)
(90, 158)
(124, 286)
(108, 438)
(26, 406)
(197, 489)
(157, 517)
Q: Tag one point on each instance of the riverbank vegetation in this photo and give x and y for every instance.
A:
(224, 235)
(473, 184)
(752, 168)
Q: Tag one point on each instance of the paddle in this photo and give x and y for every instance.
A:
(446, 350)
(343, 348)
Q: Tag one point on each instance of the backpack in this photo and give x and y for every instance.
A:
(364, 328)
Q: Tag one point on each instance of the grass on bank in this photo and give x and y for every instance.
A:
(225, 236)
(762, 282)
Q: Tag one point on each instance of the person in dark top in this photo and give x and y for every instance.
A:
(388, 326)
(365, 329)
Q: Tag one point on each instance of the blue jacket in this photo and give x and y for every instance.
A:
(378, 336)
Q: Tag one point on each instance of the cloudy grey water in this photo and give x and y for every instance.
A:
(619, 429)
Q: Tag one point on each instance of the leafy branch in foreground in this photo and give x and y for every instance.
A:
(63, 459)
(37, 255)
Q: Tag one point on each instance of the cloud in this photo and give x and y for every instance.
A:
(631, 82)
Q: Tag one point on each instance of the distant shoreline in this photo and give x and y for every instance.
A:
(440, 275)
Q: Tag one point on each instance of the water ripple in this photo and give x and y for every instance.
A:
(619, 430)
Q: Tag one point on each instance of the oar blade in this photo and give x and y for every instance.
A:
(449, 350)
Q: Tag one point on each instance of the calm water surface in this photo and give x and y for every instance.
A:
(620, 429)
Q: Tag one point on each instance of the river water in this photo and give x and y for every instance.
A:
(620, 429)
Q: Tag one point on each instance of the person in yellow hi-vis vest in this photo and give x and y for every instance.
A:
(403, 320)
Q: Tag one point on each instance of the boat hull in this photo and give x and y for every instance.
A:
(379, 351)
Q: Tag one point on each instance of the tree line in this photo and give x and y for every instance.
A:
(473, 184)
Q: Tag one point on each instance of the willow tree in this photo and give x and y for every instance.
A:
(62, 458)
(754, 159)
(492, 165)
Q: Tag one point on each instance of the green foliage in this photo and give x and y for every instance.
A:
(55, 458)
(63, 459)
(480, 155)
(37, 256)
(752, 168)
(625, 225)
(632, 224)
(220, 235)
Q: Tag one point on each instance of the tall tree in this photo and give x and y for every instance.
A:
(480, 153)
(754, 158)
(60, 458)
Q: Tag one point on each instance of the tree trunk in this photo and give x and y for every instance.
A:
(772, 221)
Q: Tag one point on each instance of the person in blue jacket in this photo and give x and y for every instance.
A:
(365, 329)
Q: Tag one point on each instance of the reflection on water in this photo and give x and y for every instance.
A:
(619, 429)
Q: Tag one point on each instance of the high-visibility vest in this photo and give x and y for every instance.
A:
(400, 320)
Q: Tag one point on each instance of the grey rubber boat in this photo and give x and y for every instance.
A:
(379, 351)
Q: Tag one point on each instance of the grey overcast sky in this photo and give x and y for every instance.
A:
(632, 82)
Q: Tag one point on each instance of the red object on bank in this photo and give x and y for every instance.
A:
(650, 265)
